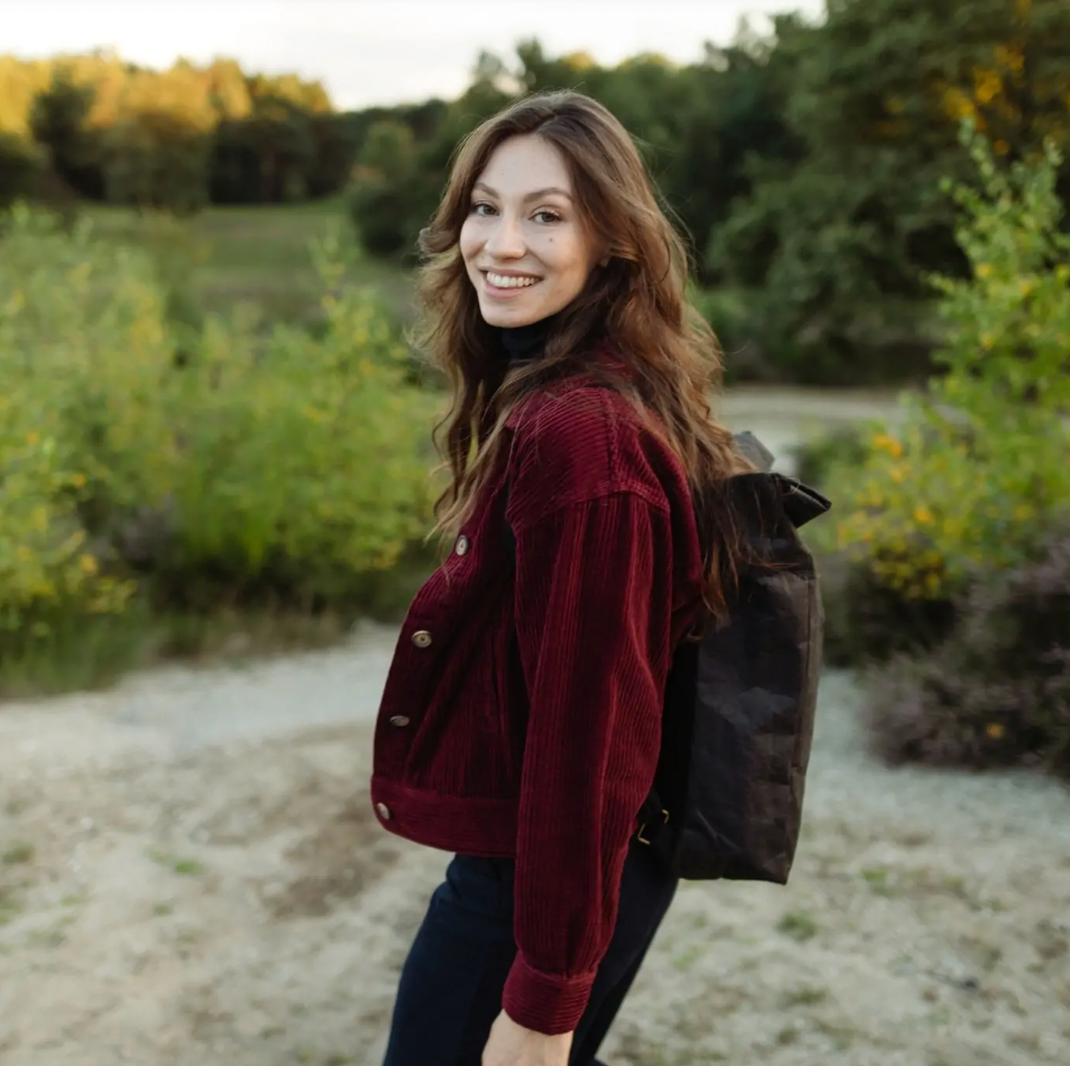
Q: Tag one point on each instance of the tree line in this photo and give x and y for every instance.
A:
(98, 128)
(805, 167)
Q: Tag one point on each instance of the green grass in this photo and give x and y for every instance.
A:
(798, 926)
(17, 853)
(85, 655)
(804, 996)
(256, 254)
(177, 864)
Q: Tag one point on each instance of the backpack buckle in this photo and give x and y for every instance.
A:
(642, 829)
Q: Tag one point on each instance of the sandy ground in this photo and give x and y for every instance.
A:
(190, 875)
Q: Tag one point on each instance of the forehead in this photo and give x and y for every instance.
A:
(525, 163)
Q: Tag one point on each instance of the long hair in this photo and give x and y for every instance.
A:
(668, 358)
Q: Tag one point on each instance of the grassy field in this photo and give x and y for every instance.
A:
(256, 254)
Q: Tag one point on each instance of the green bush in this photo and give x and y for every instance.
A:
(980, 469)
(952, 565)
(267, 467)
(817, 460)
(83, 357)
(305, 467)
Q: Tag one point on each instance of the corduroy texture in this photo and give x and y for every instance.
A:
(522, 712)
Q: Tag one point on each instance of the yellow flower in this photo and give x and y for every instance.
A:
(994, 730)
(78, 481)
(897, 474)
(887, 443)
(922, 515)
(984, 270)
(32, 438)
(88, 564)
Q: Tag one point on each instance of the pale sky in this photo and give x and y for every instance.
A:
(375, 51)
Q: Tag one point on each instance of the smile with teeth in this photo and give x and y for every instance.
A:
(508, 281)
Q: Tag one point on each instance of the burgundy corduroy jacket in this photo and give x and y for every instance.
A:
(522, 712)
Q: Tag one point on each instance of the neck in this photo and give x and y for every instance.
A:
(523, 344)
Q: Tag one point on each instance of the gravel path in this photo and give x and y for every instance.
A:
(190, 875)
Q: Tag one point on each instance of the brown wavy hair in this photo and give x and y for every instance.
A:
(669, 357)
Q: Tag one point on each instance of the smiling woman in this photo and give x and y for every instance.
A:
(520, 723)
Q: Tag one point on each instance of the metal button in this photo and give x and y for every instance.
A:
(462, 544)
(383, 811)
(399, 720)
(421, 638)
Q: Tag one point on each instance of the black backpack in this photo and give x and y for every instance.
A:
(741, 700)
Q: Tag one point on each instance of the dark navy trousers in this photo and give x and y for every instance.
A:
(451, 984)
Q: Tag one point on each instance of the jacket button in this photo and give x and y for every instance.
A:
(462, 544)
(383, 811)
(421, 638)
(399, 720)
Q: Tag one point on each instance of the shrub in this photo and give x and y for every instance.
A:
(82, 357)
(980, 466)
(306, 460)
(266, 466)
(46, 568)
(817, 461)
(996, 692)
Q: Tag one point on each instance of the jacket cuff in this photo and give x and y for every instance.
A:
(543, 1002)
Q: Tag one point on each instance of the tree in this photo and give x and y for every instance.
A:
(59, 123)
(833, 247)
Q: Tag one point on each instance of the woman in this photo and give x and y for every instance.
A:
(520, 722)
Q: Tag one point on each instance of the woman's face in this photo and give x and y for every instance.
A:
(523, 244)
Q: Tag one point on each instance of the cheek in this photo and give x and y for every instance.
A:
(572, 258)
(469, 241)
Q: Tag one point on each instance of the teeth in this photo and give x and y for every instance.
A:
(502, 281)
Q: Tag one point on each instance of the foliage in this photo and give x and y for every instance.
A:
(996, 692)
(177, 138)
(802, 167)
(399, 178)
(818, 460)
(695, 124)
(980, 466)
(834, 247)
(58, 120)
(276, 467)
(304, 469)
(21, 170)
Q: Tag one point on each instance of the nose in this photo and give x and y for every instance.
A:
(506, 240)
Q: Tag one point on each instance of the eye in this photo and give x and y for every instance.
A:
(478, 209)
(545, 217)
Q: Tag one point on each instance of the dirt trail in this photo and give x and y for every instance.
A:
(190, 875)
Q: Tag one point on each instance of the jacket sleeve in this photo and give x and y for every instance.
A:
(593, 615)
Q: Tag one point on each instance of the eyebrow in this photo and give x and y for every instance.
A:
(538, 194)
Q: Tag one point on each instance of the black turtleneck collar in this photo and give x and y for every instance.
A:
(524, 344)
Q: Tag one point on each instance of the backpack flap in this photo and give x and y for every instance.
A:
(801, 503)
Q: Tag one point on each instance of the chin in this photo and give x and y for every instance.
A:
(495, 315)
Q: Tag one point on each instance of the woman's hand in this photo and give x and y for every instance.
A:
(510, 1044)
